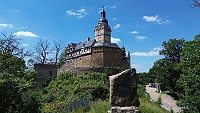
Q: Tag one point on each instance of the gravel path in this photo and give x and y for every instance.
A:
(167, 101)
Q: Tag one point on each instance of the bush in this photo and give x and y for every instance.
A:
(99, 92)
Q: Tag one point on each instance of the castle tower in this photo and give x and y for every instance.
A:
(103, 30)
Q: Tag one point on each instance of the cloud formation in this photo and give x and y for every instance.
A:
(7, 25)
(155, 19)
(25, 34)
(134, 32)
(78, 13)
(113, 7)
(115, 40)
(153, 52)
(117, 26)
(140, 37)
(136, 66)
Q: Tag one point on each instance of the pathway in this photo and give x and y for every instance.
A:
(167, 101)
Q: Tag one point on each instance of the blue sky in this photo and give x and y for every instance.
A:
(141, 25)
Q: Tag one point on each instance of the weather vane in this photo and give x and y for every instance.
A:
(103, 7)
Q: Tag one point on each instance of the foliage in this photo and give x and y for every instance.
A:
(141, 91)
(62, 58)
(13, 95)
(67, 90)
(164, 70)
(190, 77)
(172, 49)
(10, 63)
(10, 43)
(30, 64)
(15, 82)
(159, 101)
(99, 106)
(146, 105)
(144, 78)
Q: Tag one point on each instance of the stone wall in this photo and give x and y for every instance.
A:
(100, 57)
(44, 71)
(85, 70)
(112, 57)
(97, 57)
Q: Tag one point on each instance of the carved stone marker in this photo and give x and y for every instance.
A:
(123, 92)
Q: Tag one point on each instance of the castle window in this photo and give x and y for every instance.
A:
(50, 73)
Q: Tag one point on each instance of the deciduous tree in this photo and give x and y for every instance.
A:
(172, 49)
(42, 50)
(190, 77)
(58, 47)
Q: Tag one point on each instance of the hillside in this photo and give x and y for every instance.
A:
(86, 93)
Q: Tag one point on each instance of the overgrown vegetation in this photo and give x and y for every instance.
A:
(67, 93)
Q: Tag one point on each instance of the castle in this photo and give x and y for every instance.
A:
(99, 52)
(90, 55)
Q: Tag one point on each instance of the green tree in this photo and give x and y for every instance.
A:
(30, 64)
(62, 58)
(190, 77)
(14, 80)
(14, 96)
(163, 71)
(11, 64)
(144, 78)
(172, 49)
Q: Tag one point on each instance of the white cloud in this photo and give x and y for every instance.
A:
(79, 13)
(151, 18)
(153, 52)
(117, 26)
(115, 40)
(140, 37)
(71, 13)
(14, 10)
(24, 44)
(136, 66)
(25, 34)
(7, 25)
(113, 7)
(114, 19)
(134, 32)
(155, 19)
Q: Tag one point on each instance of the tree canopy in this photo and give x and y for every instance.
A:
(190, 77)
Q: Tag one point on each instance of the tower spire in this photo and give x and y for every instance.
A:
(103, 13)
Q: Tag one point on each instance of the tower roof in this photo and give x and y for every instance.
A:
(103, 17)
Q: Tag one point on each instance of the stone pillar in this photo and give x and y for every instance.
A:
(123, 92)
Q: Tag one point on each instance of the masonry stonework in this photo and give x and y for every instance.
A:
(44, 71)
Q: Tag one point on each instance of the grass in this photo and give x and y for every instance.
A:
(95, 107)
(146, 106)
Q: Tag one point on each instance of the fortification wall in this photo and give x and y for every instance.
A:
(85, 70)
(44, 71)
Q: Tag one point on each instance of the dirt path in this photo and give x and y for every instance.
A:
(167, 101)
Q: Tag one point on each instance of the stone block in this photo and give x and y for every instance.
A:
(123, 89)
